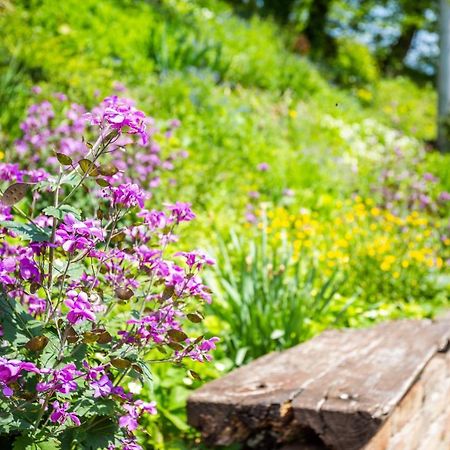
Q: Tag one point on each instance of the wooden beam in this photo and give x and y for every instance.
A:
(334, 391)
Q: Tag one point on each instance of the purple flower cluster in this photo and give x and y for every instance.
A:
(10, 372)
(134, 411)
(121, 115)
(97, 286)
(73, 234)
(127, 195)
(80, 308)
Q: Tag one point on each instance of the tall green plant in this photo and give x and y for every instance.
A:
(269, 299)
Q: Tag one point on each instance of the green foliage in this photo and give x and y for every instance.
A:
(407, 106)
(354, 65)
(244, 98)
(268, 299)
(179, 49)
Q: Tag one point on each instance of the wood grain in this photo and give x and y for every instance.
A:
(334, 391)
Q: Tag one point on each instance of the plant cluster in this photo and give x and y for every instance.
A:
(90, 291)
(384, 255)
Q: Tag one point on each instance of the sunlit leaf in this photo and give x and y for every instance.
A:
(15, 193)
(108, 170)
(88, 167)
(64, 159)
(37, 343)
(124, 293)
(177, 335)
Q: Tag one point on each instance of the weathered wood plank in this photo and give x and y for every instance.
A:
(334, 391)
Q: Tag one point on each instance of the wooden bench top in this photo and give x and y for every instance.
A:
(336, 389)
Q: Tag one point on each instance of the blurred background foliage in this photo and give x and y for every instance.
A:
(310, 128)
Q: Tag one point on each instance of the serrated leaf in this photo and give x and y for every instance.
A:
(72, 179)
(28, 231)
(15, 193)
(145, 370)
(29, 443)
(61, 211)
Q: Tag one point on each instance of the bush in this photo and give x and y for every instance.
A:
(354, 65)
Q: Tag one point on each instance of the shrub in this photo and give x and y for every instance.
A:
(354, 65)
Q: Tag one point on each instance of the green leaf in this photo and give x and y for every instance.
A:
(28, 443)
(72, 179)
(177, 421)
(108, 170)
(88, 167)
(28, 231)
(89, 407)
(18, 326)
(145, 370)
(61, 211)
(100, 435)
(64, 159)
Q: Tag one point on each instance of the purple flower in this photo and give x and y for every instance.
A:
(196, 259)
(128, 421)
(79, 306)
(430, 177)
(102, 387)
(119, 114)
(181, 212)
(36, 305)
(154, 219)
(10, 371)
(119, 87)
(60, 415)
(134, 411)
(62, 380)
(444, 196)
(128, 195)
(73, 234)
(201, 351)
(29, 270)
(263, 167)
